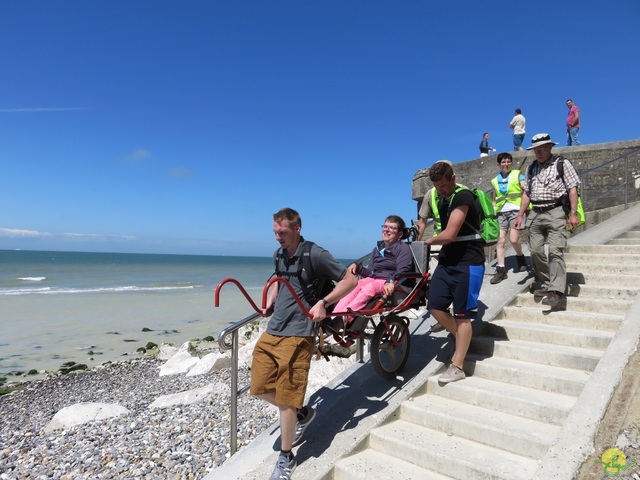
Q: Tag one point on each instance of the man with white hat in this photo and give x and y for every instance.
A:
(550, 180)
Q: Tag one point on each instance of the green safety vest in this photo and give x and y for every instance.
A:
(514, 190)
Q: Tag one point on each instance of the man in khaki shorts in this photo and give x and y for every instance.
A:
(282, 355)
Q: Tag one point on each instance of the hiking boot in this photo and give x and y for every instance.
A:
(453, 374)
(540, 292)
(522, 263)
(284, 468)
(552, 299)
(306, 415)
(501, 274)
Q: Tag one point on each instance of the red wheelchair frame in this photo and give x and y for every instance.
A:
(390, 340)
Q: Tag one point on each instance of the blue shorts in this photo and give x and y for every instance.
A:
(517, 140)
(459, 286)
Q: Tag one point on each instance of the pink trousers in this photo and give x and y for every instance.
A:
(358, 298)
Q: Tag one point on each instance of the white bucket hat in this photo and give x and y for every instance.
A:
(539, 140)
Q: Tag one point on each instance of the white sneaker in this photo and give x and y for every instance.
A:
(453, 374)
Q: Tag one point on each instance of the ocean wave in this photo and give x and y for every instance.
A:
(32, 279)
(75, 291)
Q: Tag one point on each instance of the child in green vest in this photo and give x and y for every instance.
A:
(507, 185)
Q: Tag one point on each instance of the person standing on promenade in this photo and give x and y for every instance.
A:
(573, 124)
(282, 355)
(458, 277)
(484, 145)
(507, 186)
(547, 187)
(518, 123)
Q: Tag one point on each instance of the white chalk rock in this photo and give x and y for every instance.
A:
(84, 412)
(181, 362)
(190, 396)
(210, 362)
(165, 352)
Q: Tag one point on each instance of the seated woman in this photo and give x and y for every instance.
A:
(389, 257)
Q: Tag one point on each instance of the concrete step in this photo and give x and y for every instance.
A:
(542, 353)
(583, 318)
(604, 249)
(613, 293)
(553, 334)
(371, 464)
(630, 234)
(538, 405)
(577, 304)
(609, 279)
(618, 268)
(448, 454)
(500, 430)
(602, 258)
(552, 378)
(624, 241)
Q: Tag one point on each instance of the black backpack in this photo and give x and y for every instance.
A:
(313, 287)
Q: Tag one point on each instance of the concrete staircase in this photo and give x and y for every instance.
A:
(526, 373)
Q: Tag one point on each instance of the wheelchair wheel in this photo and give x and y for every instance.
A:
(387, 357)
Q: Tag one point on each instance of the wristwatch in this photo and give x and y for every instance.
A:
(325, 304)
(574, 213)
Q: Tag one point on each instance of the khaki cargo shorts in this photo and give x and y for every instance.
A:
(281, 364)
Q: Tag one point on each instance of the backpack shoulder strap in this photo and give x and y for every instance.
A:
(560, 166)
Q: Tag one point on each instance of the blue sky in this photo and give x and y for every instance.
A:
(180, 127)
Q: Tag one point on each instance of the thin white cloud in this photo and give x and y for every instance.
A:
(31, 110)
(93, 235)
(16, 233)
(137, 156)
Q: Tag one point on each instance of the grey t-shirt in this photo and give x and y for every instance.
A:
(287, 319)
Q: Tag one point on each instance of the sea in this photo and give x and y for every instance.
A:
(59, 307)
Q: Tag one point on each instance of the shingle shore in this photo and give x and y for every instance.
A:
(180, 442)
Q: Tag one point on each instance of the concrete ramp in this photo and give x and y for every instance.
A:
(539, 382)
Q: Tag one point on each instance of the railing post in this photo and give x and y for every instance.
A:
(234, 392)
(626, 182)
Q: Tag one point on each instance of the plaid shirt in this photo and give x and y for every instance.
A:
(545, 186)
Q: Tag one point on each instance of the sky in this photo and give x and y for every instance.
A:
(156, 126)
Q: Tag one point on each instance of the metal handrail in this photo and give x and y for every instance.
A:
(627, 181)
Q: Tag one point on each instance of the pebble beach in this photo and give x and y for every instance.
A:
(180, 442)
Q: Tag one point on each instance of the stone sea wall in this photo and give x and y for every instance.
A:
(601, 188)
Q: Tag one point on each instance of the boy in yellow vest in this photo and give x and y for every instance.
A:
(508, 185)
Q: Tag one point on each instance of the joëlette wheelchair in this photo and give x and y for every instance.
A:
(383, 322)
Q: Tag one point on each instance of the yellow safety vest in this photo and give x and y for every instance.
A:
(514, 190)
(437, 222)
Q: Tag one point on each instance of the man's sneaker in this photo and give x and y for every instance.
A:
(540, 292)
(552, 299)
(522, 263)
(501, 274)
(284, 468)
(306, 415)
(453, 374)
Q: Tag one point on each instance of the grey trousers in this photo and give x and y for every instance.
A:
(549, 228)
